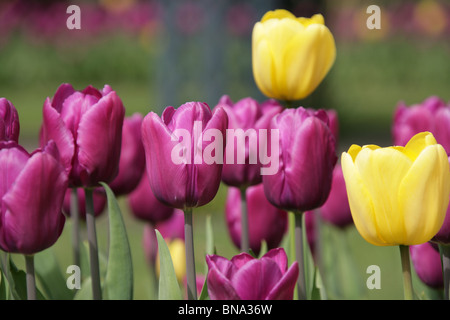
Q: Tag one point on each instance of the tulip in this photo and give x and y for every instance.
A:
(336, 210)
(431, 115)
(72, 118)
(303, 180)
(132, 157)
(266, 222)
(306, 160)
(144, 205)
(32, 190)
(249, 116)
(247, 278)
(427, 263)
(185, 174)
(398, 195)
(99, 202)
(9, 121)
(291, 56)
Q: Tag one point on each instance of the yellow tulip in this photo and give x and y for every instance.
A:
(178, 255)
(398, 195)
(291, 55)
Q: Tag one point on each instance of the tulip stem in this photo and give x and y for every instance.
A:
(245, 246)
(75, 217)
(301, 283)
(406, 268)
(31, 282)
(445, 254)
(93, 248)
(190, 257)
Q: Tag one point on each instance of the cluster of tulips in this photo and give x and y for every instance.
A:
(169, 165)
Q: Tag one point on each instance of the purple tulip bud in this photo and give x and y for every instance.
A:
(266, 222)
(246, 118)
(431, 115)
(99, 198)
(336, 209)
(184, 153)
(427, 263)
(132, 157)
(32, 188)
(87, 128)
(247, 278)
(145, 206)
(9, 121)
(306, 160)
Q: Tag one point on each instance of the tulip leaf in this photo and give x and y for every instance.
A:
(204, 293)
(318, 289)
(18, 283)
(85, 293)
(168, 283)
(119, 271)
(4, 290)
(50, 276)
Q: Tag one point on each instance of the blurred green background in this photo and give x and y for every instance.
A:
(160, 53)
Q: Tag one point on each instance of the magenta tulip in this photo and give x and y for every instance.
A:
(431, 115)
(132, 157)
(336, 210)
(266, 222)
(9, 121)
(427, 263)
(32, 191)
(306, 160)
(250, 117)
(247, 278)
(185, 174)
(87, 128)
(99, 197)
(145, 206)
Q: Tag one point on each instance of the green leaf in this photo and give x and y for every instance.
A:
(168, 283)
(4, 290)
(85, 293)
(318, 289)
(18, 283)
(119, 271)
(50, 276)
(204, 294)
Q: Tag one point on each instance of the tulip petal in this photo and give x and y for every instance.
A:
(223, 265)
(98, 158)
(425, 187)
(279, 256)
(256, 278)
(284, 289)
(219, 287)
(33, 220)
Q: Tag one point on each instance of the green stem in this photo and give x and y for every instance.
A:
(301, 283)
(406, 269)
(190, 256)
(445, 255)
(75, 217)
(93, 247)
(245, 245)
(31, 282)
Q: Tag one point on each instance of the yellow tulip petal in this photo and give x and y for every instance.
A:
(315, 19)
(264, 76)
(277, 14)
(417, 143)
(383, 170)
(307, 58)
(353, 151)
(360, 202)
(424, 194)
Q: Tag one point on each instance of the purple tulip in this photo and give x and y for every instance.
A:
(9, 121)
(32, 191)
(306, 160)
(145, 206)
(99, 198)
(336, 209)
(333, 123)
(132, 157)
(87, 128)
(247, 278)
(427, 263)
(187, 173)
(250, 117)
(431, 115)
(266, 222)
(443, 235)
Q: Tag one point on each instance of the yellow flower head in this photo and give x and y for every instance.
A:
(398, 195)
(291, 55)
(178, 255)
